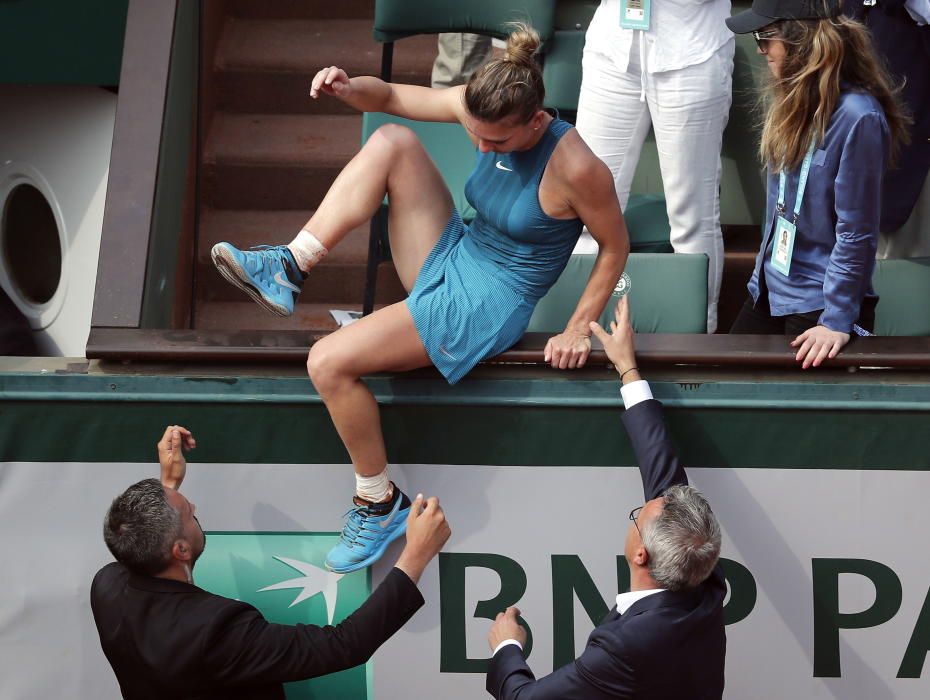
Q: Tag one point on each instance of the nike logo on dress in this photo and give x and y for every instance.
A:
(501, 166)
(282, 279)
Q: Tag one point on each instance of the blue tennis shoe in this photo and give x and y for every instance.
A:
(268, 274)
(369, 529)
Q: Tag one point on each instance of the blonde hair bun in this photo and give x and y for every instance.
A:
(510, 87)
(522, 43)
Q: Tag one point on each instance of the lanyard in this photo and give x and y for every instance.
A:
(802, 185)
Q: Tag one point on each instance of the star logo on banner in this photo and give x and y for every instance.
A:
(315, 580)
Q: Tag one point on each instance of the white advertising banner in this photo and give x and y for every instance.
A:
(829, 577)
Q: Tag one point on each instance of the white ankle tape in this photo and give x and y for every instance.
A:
(373, 488)
(307, 250)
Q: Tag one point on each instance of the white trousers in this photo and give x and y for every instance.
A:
(459, 56)
(688, 109)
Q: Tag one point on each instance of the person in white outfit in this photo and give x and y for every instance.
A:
(677, 76)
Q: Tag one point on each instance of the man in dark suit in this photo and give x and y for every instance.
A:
(665, 638)
(167, 638)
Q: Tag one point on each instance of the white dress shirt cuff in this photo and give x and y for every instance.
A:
(506, 642)
(635, 392)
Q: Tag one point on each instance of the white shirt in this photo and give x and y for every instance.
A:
(632, 394)
(625, 600)
(635, 392)
(681, 33)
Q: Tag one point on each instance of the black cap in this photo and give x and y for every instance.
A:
(765, 12)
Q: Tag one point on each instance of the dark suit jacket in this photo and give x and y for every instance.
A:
(167, 639)
(667, 645)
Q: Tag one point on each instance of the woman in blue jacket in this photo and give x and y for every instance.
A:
(832, 125)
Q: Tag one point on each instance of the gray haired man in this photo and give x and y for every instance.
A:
(665, 637)
(167, 638)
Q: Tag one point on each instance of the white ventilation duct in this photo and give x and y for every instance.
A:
(54, 160)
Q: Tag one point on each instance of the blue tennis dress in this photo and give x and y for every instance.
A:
(479, 285)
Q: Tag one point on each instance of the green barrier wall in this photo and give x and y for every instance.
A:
(873, 420)
(62, 42)
(814, 477)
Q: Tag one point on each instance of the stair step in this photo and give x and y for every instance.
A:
(306, 46)
(283, 139)
(267, 65)
(240, 90)
(302, 9)
(335, 285)
(338, 277)
(248, 316)
(255, 161)
(246, 228)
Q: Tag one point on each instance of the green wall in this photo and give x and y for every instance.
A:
(510, 420)
(62, 42)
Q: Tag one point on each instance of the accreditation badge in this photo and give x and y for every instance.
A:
(634, 14)
(783, 245)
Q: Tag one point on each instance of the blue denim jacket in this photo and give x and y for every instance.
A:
(837, 229)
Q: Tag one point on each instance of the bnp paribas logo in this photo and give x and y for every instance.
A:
(282, 574)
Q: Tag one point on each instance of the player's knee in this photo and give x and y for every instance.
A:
(396, 137)
(324, 369)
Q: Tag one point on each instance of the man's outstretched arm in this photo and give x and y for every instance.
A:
(242, 648)
(597, 674)
(655, 453)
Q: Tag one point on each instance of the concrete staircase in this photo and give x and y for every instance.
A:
(271, 152)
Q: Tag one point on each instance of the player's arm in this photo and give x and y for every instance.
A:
(587, 189)
(369, 94)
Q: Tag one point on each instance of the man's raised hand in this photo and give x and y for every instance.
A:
(506, 626)
(618, 344)
(171, 455)
(427, 532)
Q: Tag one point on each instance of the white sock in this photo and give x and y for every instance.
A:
(307, 250)
(375, 489)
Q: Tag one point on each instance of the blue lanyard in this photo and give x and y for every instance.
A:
(802, 185)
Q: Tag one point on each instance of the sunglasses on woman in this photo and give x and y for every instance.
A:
(763, 38)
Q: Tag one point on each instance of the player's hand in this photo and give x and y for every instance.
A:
(427, 532)
(330, 81)
(506, 627)
(618, 344)
(568, 350)
(817, 344)
(171, 455)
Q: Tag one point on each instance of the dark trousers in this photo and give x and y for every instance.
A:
(757, 319)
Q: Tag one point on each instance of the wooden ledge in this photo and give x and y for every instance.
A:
(660, 349)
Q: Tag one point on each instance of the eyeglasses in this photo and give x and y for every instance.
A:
(633, 515)
(764, 37)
